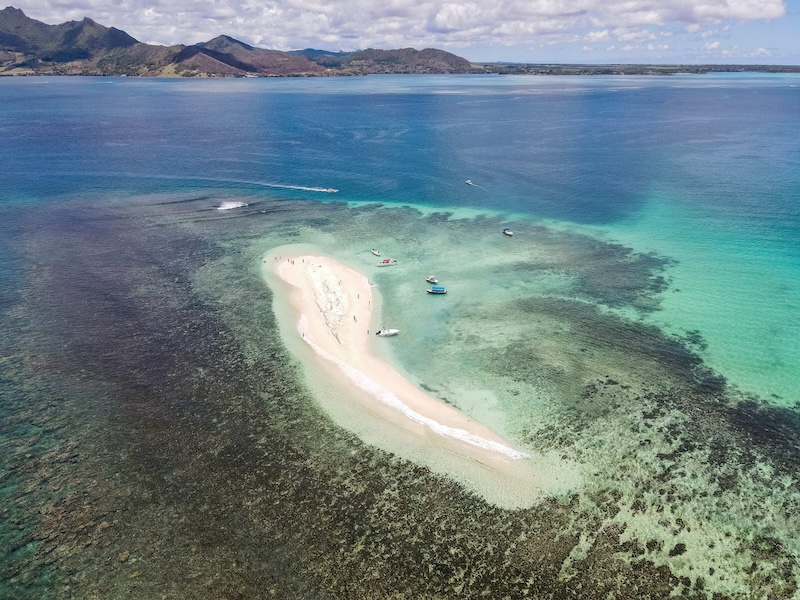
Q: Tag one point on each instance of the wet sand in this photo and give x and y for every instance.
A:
(330, 308)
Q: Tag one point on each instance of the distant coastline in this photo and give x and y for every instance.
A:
(532, 69)
(30, 47)
(631, 69)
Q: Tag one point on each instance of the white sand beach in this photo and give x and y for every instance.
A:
(330, 307)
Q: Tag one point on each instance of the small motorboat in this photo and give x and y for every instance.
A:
(437, 289)
(332, 190)
(431, 279)
(469, 182)
(387, 262)
(375, 251)
(508, 232)
(384, 332)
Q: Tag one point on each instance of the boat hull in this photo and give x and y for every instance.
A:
(387, 332)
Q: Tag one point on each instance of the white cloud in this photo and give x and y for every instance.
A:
(351, 24)
(736, 53)
(597, 36)
(711, 46)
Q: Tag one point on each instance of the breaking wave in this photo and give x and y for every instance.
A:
(231, 204)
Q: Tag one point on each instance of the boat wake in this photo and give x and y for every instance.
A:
(304, 188)
(299, 187)
(281, 186)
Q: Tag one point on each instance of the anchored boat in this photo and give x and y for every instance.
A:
(387, 262)
(437, 289)
(384, 332)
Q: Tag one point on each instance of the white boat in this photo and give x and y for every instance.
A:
(331, 190)
(508, 232)
(437, 289)
(375, 251)
(469, 182)
(431, 279)
(384, 332)
(387, 262)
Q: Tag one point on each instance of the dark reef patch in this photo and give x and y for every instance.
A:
(774, 429)
(658, 359)
(609, 273)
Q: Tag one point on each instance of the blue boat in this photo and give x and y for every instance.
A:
(437, 289)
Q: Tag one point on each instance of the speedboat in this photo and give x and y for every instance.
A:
(437, 289)
(331, 190)
(387, 262)
(469, 182)
(508, 232)
(431, 279)
(376, 252)
(384, 332)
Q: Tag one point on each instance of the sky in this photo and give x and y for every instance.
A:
(538, 31)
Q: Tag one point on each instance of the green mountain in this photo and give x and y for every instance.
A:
(406, 60)
(28, 46)
(256, 60)
(74, 40)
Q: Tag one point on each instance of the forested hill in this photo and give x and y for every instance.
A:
(28, 46)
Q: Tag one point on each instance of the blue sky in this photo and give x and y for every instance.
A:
(560, 31)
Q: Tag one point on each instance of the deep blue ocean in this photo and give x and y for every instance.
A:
(583, 150)
(644, 326)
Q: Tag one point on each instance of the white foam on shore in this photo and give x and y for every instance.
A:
(385, 396)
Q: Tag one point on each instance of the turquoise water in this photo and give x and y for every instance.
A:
(640, 327)
(737, 285)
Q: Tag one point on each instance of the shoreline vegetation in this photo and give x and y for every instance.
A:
(30, 47)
